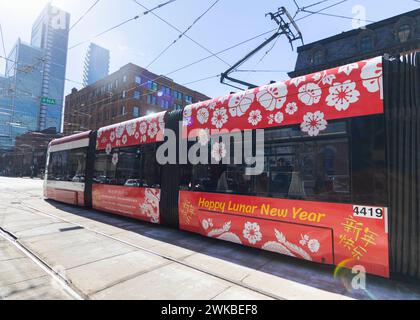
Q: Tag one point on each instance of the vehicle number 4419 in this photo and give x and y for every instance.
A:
(368, 212)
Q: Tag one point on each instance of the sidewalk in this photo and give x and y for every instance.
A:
(22, 279)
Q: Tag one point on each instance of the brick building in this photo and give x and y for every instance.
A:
(128, 93)
(28, 156)
(396, 35)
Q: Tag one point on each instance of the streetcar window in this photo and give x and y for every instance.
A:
(312, 170)
(68, 165)
(130, 167)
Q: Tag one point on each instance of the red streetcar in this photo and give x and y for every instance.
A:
(338, 184)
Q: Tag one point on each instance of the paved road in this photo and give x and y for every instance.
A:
(77, 253)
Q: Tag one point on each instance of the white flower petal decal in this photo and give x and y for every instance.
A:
(218, 151)
(297, 81)
(220, 117)
(143, 128)
(342, 95)
(187, 112)
(291, 108)
(314, 245)
(347, 69)
(120, 131)
(203, 137)
(153, 130)
(273, 96)
(203, 115)
(310, 94)
(255, 117)
(313, 123)
(278, 118)
(112, 136)
(115, 159)
(124, 139)
(131, 128)
(372, 76)
(252, 232)
(239, 103)
(108, 149)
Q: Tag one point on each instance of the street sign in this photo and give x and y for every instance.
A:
(46, 100)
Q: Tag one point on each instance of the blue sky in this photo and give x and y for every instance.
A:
(229, 22)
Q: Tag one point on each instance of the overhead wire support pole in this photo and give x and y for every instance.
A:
(285, 27)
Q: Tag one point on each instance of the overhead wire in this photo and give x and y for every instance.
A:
(122, 23)
(84, 15)
(186, 35)
(182, 34)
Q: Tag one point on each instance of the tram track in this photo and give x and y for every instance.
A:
(65, 285)
(29, 208)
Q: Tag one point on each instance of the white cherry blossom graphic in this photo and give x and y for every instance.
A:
(203, 137)
(115, 159)
(143, 128)
(255, 117)
(112, 136)
(297, 81)
(314, 245)
(273, 96)
(220, 117)
(131, 128)
(108, 149)
(124, 139)
(252, 232)
(137, 136)
(239, 103)
(328, 79)
(342, 95)
(153, 130)
(347, 69)
(372, 76)
(218, 151)
(313, 123)
(120, 131)
(278, 118)
(291, 108)
(310, 94)
(317, 76)
(203, 115)
(187, 112)
(207, 223)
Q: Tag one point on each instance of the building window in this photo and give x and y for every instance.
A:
(124, 94)
(366, 43)
(152, 85)
(404, 32)
(188, 99)
(123, 111)
(165, 91)
(125, 79)
(114, 111)
(138, 79)
(136, 95)
(151, 99)
(136, 112)
(178, 95)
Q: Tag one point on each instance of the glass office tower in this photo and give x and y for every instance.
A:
(96, 64)
(50, 32)
(21, 92)
(32, 90)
